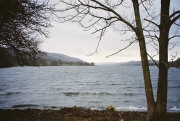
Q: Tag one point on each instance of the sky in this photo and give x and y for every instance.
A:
(70, 39)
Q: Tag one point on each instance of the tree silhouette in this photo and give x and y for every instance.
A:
(22, 22)
(145, 25)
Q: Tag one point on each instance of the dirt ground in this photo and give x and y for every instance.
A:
(76, 114)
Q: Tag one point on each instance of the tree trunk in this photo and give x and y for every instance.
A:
(145, 64)
(161, 105)
(157, 111)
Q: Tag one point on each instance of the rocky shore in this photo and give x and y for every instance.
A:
(75, 114)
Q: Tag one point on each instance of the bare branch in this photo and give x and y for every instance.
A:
(102, 32)
(173, 45)
(175, 18)
(152, 22)
(114, 12)
(100, 37)
(175, 36)
(151, 57)
(176, 24)
(99, 7)
(174, 14)
(121, 49)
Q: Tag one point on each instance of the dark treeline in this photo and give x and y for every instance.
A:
(23, 25)
(9, 59)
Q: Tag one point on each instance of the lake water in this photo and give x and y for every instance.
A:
(92, 87)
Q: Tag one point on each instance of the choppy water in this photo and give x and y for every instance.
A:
(93, 87)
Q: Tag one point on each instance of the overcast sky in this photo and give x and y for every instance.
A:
(70, 39)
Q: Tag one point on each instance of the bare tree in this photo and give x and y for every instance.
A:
(148, 26)
(22, 23)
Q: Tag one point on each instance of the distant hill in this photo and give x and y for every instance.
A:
(62, 57)
(175, 63)
(45, 59)
(138, 63)
(131, 63)
(56, 59)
